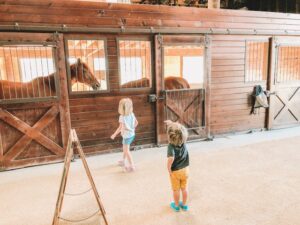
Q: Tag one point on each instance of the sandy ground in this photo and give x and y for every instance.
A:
(251, 179)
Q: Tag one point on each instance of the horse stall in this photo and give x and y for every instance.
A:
(66, 64)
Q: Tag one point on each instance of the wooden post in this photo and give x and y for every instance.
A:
(214, 4)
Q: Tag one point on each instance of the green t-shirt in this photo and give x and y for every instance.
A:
(181, 156)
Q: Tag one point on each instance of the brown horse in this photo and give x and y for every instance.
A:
(140, 83)
(176, 83)
(45, 86)
(170, 83)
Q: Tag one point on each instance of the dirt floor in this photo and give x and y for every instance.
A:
(251, 179)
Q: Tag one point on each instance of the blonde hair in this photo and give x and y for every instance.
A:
(125, 106)
(177, 133)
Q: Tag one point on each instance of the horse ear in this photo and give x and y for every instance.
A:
(79, 61)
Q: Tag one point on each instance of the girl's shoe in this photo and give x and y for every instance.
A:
(129, 169)
(174, 207)
(183, 207)
(121, 163)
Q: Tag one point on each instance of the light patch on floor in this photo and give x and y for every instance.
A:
(251, 179)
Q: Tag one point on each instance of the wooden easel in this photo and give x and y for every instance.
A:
(74, 142)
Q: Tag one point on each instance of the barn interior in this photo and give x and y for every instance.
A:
(66, 64)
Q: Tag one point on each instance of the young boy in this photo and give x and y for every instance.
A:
(178, 162)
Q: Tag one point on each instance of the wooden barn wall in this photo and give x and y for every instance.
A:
(230, 93)
(108, 15)
(95, 116)
(230, 104)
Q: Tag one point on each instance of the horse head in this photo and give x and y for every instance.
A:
(80, 72)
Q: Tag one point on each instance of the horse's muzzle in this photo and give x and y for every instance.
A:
(96, 86)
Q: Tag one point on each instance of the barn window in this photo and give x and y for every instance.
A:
(288, 61)
(256, 66)
(27, 72)
(135, 63)
(87, 65)
(186, 61)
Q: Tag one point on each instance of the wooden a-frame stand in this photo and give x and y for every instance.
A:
(72, 142)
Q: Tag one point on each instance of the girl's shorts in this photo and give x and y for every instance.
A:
(128, 141)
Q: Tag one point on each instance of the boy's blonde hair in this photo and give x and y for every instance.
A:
(125, 107)
(177, 133)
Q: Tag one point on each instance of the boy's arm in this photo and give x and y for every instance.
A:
(117, 131)
(169, 164)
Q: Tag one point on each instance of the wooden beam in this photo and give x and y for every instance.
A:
(214, 4)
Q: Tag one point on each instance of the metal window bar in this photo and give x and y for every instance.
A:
(255, 61)
(90, 52)
(288, 59)
(134, 60)
(24, 72)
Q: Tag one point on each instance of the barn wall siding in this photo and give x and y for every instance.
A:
(230, 94)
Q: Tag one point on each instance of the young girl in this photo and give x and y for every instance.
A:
(127, 126)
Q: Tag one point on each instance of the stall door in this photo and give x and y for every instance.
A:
(284, 83)
(33, 100)
(182, 79)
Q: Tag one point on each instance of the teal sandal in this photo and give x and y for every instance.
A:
(183, 207)
(174, 207)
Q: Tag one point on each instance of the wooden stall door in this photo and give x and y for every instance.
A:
(34, 111)
(182, 84)
(284, 83)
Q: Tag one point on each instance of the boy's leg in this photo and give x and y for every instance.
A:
(176, 196)
(184, 192)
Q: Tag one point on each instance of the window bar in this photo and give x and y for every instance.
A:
(143, 83)
(43, 74)
(130, 61)
(81, 67)
(19, 71)
(146, 58)
(252, 61)
(13, 72)
(255, 59)
(6, 72)
(123, 64)
(279, 67)
(24, 70)
(48, 70)
(98, 49)
(286, 64)
(37, 69)
(30, 72)
(93, 58)
(76, 65)
(261, 61)
(298, 64)
(138, 84)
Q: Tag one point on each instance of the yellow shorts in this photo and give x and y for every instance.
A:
(179, 179)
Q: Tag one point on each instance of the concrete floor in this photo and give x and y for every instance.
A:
(251, 179)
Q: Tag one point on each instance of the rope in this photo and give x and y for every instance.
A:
(80, 193)
(80, 220)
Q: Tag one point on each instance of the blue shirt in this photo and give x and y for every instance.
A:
(128, 125)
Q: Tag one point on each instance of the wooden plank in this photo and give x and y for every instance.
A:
(31, 132)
